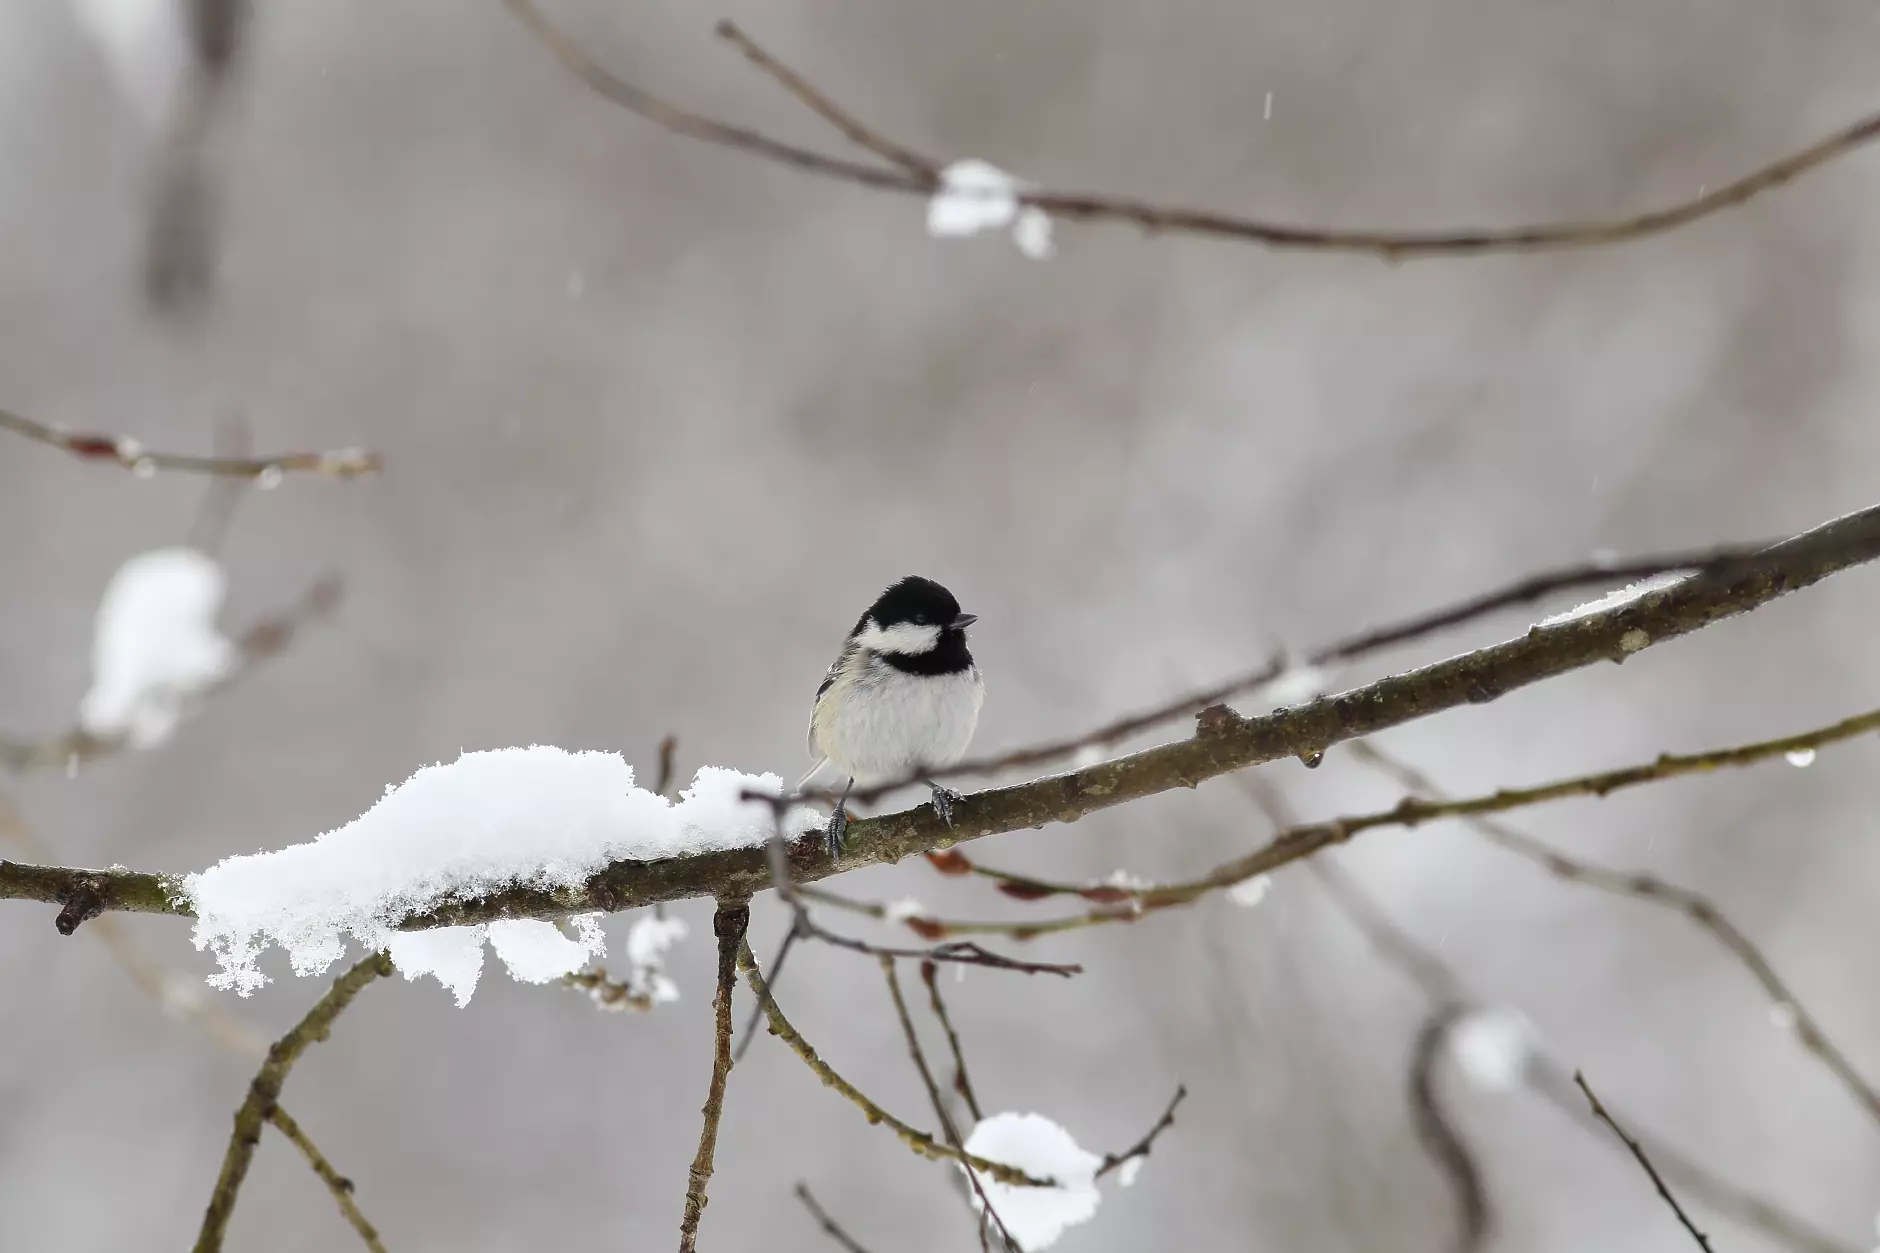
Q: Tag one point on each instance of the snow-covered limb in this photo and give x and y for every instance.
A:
(1226, 744)
(490, 821)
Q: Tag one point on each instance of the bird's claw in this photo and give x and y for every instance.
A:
(838, 827)
(943, 802)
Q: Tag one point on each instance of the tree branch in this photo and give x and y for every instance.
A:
(829, 1225)
(1700, 909)
(919, 1141)
(265, 1092)
(1398, 948)
(339, 463)
(258, 644)
(962, 1082)
(948, 1127)
(340, 1186)
(915, 174)
(1142, 1147)
(1443, 1142)
(1599, 1112)
(1223, 742)
(729, 923)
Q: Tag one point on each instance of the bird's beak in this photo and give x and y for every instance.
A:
(964, 620)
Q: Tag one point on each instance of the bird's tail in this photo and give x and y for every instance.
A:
(813, 770)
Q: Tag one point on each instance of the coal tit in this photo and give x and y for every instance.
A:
(902, 697)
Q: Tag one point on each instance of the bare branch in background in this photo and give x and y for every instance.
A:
(1444, 1143)
(265, 1092)
(261, 642)
(1638, 1153)
(1223, 743)
(339, 463)
(182, 238)
(336, 1183)
(1784, 1002)
(915, 174)
(829, 1226)
(729, 922)
(1396, 947)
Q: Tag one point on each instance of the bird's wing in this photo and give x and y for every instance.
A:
(829, 680)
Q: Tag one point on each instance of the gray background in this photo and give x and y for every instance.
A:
(650, 500)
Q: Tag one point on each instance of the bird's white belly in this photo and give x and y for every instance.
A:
(889, 725)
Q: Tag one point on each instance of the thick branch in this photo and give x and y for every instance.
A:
(1223, 742)
(265, 1091)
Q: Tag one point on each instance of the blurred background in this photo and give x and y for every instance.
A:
(658, 420)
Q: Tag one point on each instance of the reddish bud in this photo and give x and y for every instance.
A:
(950, 861)
(1025, 890)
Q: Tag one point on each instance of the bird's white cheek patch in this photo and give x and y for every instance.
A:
(905, 638)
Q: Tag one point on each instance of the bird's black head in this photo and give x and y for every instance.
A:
(921, 602)
(917, 622)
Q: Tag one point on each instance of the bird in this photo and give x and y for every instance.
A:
(902, 698)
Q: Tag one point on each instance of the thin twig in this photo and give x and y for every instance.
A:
(1143, 1147)
(758, 1011)
(821, 1215)
(913, 178)
(962, 1082)
(1442, 1141)
(919, 1141)
(729, 922)
(1638, 1153)
(339, 1185)
(1650, 888)
(338, 463)
(265, 1092)
(850, 127)
(948, 1127)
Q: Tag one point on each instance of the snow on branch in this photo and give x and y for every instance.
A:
(912, 173)
(540, 818)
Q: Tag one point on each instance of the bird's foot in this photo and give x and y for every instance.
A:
(838, 827)
(944, 798)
